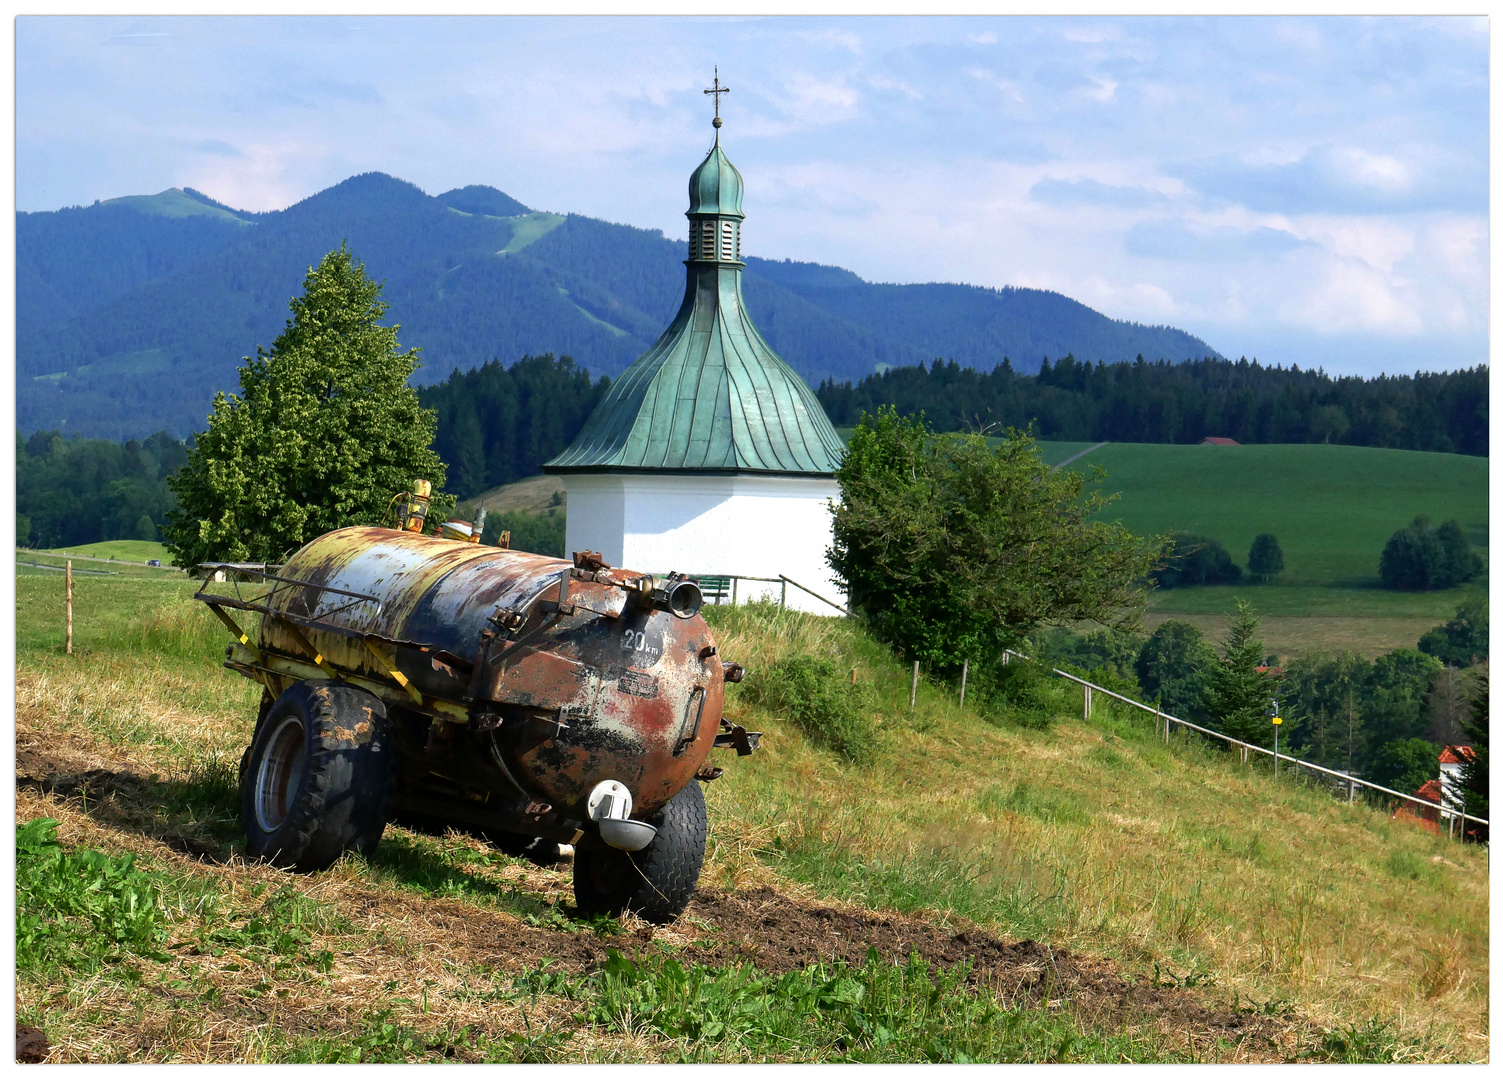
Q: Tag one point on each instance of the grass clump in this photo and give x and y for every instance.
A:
(875, 1012)
(1020, 692)
(819, 698)
(82, 908)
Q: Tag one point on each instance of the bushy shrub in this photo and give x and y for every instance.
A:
(1419, 557)
(1022, 692)
(821, 701)
(953, 547)
(1463, 639)
(1195, 560)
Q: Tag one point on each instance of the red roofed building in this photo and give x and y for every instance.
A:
(1209, 441)
(1427, 817)
(1443, 793)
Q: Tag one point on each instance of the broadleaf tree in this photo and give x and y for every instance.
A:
(953, 548)
(325, 430)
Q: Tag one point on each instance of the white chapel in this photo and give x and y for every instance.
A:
(709, 455)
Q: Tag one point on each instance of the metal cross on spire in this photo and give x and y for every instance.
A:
(717, 90)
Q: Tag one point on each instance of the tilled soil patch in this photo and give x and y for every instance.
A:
(778, 933)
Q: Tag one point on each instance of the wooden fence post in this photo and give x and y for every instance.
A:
(1087, 708)
(965, 667)
(69, 576)
(913, 690)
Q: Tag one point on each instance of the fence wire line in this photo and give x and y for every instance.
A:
(1299, 763)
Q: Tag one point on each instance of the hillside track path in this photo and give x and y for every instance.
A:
(1076, 457)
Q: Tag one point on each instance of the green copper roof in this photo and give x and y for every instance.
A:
(710, 395)
(715, 187)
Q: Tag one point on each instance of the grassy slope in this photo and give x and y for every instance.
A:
(1090, 836)
(1096, 836)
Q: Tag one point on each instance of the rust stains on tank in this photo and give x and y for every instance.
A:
(572, 679)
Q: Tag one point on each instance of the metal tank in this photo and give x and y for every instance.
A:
(565, 700)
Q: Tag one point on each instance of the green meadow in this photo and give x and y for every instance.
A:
(124, 550)
(1332, 508)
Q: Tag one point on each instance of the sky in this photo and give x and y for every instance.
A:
(1304, 191)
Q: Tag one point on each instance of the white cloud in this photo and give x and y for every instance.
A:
(1092, 34)
(1105, 89)
(840, 39)
(1352, 297)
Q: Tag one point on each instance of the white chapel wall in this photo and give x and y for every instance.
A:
(710, 525)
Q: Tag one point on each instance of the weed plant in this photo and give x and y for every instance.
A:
(81, 908)
(875, 1012)
(831, 709)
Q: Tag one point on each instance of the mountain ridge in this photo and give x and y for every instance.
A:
(132, 312)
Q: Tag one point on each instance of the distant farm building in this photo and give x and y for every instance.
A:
(1212, 441)
(1444, 793)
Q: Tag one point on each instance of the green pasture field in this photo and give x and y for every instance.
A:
(1332, 508)
(126, 550)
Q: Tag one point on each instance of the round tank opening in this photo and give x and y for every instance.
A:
(685, 600)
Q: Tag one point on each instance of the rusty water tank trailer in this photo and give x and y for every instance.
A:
(443, 683)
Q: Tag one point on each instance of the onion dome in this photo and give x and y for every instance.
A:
(715, 187)
(710, 395)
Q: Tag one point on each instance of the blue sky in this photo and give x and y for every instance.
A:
(1309, 191)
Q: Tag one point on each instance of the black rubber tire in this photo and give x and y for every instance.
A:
(657, 882)
(318, 776)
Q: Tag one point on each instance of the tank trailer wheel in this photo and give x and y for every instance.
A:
(656, 882)
(317, 776)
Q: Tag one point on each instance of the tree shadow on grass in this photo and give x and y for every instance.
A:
(437, 867)
(197, 814)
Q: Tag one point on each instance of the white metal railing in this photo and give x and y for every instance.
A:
(1351, 781)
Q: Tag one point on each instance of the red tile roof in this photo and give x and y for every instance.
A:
(1456, 755)
(1210, 440)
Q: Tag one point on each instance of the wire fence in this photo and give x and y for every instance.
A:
(1339, 780)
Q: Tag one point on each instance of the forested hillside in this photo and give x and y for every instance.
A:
(498, 424)
(80, 491)
(1158, 402)
(132, 312)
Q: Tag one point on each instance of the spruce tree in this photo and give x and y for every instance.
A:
(1237, 694)
(324, 432)
(1265, 559)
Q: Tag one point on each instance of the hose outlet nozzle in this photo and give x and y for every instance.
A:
(675, 594)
